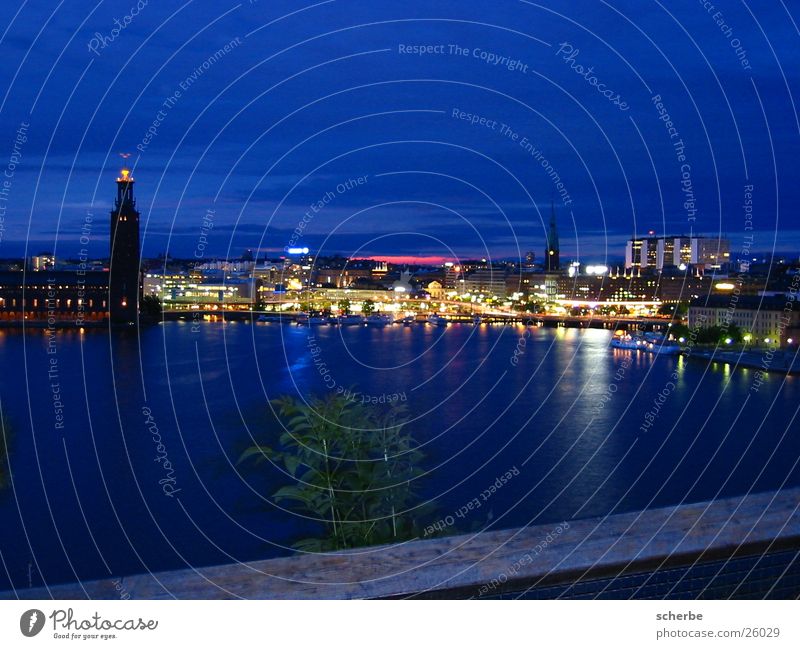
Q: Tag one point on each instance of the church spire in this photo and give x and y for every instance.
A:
(552, 262)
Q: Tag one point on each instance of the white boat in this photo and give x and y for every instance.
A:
(380, 319)
(622, 340)
(437, 320)
(408, 320)
(269, 317)
(347, 320)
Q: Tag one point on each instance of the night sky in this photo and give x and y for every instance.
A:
(305, 98)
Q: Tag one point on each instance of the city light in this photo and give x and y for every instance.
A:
(725, 286)
(297, 251)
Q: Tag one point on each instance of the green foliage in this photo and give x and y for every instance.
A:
(678, 310)
(368, 306)
(717, 335)
(714, 335)
(151, 306)
(530, 307)
(344, 306)
(5, 444)
(678, 331)
(354, 468)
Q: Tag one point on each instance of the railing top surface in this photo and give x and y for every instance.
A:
(462, 565)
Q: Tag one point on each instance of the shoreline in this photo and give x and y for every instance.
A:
(782, 361)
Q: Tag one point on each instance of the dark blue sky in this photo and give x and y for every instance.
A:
(310, 95)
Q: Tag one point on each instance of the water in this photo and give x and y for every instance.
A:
(567, 419)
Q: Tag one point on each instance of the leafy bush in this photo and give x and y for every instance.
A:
(354, 468)
(151, 306)
(5, 443)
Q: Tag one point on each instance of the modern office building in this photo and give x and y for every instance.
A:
(657, 253)
(43, 261)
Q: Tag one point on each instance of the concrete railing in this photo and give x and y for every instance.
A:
(653, 542)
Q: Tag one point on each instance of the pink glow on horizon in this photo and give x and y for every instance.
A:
(430, 260)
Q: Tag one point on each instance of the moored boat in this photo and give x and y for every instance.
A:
(348, 320)
(623, 340)
(380, 319)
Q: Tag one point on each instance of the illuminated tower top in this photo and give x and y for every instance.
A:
(125, 197)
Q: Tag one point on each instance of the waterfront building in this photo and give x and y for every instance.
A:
(55, 296)
(522, 284)
(194, 290)
(340, 277)
(767, 320)
(453, 277)
(43, 261)
(226, 266)
(235, 294)
(613, 286)
(435, 290)
(486, 281)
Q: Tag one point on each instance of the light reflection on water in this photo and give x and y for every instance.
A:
(475, 412)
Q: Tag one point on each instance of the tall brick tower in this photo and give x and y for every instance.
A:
(124, 277)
